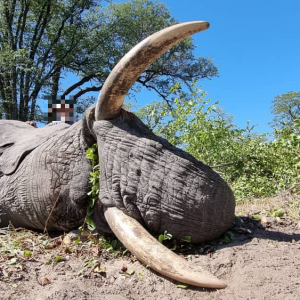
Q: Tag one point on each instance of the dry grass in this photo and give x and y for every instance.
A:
(287, 203)
(20, 245)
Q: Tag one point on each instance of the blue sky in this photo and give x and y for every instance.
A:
(256, 47)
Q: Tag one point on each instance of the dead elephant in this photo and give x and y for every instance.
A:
(145, 181)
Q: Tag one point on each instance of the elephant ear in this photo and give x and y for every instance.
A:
(17, 139)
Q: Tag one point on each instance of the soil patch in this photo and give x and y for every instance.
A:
(258, 259)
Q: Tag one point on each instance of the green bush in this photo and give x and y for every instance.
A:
(252, 164)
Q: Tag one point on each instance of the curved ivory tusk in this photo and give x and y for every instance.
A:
(150, 252)
(129, 68)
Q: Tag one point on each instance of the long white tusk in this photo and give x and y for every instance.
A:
(150, 252)
(129, 68)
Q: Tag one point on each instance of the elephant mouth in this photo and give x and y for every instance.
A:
(130, 232)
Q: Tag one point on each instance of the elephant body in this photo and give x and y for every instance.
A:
(140, 173)
(44, 184)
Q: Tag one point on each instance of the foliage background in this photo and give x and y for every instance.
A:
(255, 165)
(42, 42)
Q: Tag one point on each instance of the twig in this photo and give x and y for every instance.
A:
(224, 165)
(46, 223)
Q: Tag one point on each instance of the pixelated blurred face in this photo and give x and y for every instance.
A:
(60, 110)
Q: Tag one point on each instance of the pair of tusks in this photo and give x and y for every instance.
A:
(134, 237)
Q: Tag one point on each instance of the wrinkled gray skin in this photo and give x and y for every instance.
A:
(44, 179)
(44, 172)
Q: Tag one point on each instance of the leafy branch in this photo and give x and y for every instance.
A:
(92, 154)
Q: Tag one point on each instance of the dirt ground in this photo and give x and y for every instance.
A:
(259, 258)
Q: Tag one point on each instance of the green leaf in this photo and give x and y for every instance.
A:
(90, 222)
(58, 259)
(174, 248)
(161, 238)
(226, 239)
(77, 241)
(27, 253)
(130, 272)
(182, 286)
(186, 238)
(92, 262)
(278, 213)
(168, 236)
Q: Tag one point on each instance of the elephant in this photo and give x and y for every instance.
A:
(147, 185)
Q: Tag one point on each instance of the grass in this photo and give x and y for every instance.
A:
(286, 205)
(20, 245)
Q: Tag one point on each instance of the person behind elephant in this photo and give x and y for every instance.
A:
(60, 110)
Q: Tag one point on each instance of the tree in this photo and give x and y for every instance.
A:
(286, 109)
(128, 23)
(44, 41)
(38, 39)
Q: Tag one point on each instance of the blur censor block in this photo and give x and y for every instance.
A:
(60, 109)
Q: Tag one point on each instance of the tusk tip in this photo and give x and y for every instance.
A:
(218, 285)
(202, 25)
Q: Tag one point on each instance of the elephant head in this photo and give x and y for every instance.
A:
(145, 182)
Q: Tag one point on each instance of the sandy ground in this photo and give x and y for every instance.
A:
(256, 259)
